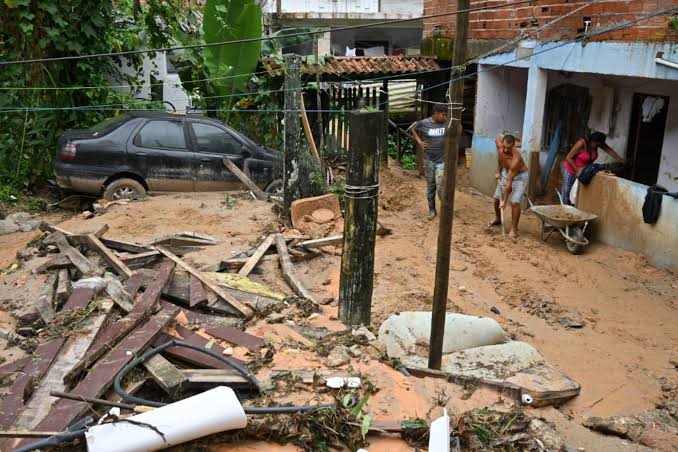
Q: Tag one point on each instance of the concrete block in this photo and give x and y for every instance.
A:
(302, 207)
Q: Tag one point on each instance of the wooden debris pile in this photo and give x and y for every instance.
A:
(106, 301)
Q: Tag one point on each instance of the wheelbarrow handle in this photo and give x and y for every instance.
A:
(560, 197)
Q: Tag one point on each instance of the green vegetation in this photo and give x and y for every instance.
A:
(409, 155)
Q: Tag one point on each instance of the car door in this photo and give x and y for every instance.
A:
(160, 151)
(212, 143)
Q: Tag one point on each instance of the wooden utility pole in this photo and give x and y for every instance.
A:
(360, 219)
(442, 277)
(291, 148)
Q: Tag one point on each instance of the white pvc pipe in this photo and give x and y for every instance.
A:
(210, 412)
(666, 63)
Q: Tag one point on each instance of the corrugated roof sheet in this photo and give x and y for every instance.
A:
(359, 66)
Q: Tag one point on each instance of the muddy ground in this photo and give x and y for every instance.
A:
(625, 309)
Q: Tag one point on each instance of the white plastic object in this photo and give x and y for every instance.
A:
(340, 382)
(210, 412)
(439, 439)
(526, 399)
(96, 283)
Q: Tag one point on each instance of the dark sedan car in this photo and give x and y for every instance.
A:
(131, 154)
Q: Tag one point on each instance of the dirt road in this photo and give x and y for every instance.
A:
(620, 356)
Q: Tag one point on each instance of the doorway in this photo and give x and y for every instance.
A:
(646, 137)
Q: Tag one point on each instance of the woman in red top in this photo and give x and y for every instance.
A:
(583, 153)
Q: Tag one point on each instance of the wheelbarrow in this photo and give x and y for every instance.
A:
(568, 220)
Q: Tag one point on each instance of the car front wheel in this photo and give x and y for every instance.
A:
(124, 189)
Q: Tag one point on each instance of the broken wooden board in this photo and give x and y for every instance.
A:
(319, 243)
(84, 265)
(21, 389)
(40, 403)
(44, 303)
(197, 292)
(288, 270)
(9, 369)
(253, 260)
(243, 284)
(210, 321)
(58, 262)
(118, 294)
(133, 284)
(236, 337)
(166, 374)
(258, 192)
(194, 357)
(116, 264)
(214, 377)
(119, 245)
(243, 310)
(113, 333)
(141, 260)
(102, 374)
(64, 288)
(311, 376)
(79, 299)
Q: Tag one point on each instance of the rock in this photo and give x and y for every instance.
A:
(8, 227)
(18, 217)
(327, 282)
(495, 310)
(567, 322)
(323, 216)
(27, 253)
(306, 206)
(28, 316)
(30, 225)
(355, 351)
(622, 426)
(327, 300)
(338, 357)
(86, 214)
(363, 335)
(313, 316)
(547, 434)
(98, 208)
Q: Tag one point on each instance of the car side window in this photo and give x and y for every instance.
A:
(161, 135)
(213, 140)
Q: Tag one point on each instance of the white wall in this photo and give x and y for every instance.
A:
(415, 7)
(500, 101)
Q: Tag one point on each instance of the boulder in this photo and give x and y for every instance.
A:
(18, 217)
(8, 227)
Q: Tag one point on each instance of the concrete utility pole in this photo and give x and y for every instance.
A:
(360, 220)
(291, 148)
(442, 277)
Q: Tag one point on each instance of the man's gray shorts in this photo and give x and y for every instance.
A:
(518, 187)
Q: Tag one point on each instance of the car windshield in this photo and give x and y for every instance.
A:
(108, 125)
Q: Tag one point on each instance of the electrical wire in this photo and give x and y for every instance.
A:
(263, 38)
(237, 367)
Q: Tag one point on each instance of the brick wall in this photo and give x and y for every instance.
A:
(509, 22)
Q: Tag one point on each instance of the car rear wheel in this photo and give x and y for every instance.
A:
(123, 189)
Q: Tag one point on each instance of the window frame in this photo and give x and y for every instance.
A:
(136, 141)
(246, 152)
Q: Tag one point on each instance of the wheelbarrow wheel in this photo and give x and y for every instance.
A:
(577, 234)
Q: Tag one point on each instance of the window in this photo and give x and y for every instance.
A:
(162, 135)
(213, 140)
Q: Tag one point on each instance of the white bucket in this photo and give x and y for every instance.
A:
(210, 412)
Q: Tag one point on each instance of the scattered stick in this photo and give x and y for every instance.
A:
(318, 243)
(307, 130)
(258, 254)
(288, 270)
(258, 192)
(26, 434)
(243, 310)
(116, 264)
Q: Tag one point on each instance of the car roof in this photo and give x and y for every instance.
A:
(167, 115)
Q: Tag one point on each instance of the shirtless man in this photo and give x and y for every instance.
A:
(512, 177)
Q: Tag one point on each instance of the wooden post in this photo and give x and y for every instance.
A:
(442, 275)
(383, 100)
(292, 131)
(360, 223)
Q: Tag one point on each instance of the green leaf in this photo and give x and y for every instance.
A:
(365, 427)
(282, 40)
(26, 28)
(209, 344)
(347, 398)
(10, 3)
(359, 407)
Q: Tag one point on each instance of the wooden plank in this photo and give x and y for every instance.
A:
(208, 321)
(112, 334)
(166, 374)
(46, 298)
(141, 260)
(214, 377)
(288, 270)
(101, 376)
(116, 264)
(194, 357)
(64, 288)
(133, 283)
(258, 192)
(258, 254)
(239, 307)
(119, 295)
(79, 299)
(74, 349)
(197, 292)
(58, 262)
(9, 369)
(84, 265)
(318, 243)
(236, 337)
(119, 245)
(21, 389)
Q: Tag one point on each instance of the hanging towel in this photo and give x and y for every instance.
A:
(651, 106)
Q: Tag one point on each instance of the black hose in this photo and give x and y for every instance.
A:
(241, 370)
(52, 441)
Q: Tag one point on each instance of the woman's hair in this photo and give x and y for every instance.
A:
(598, 137)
